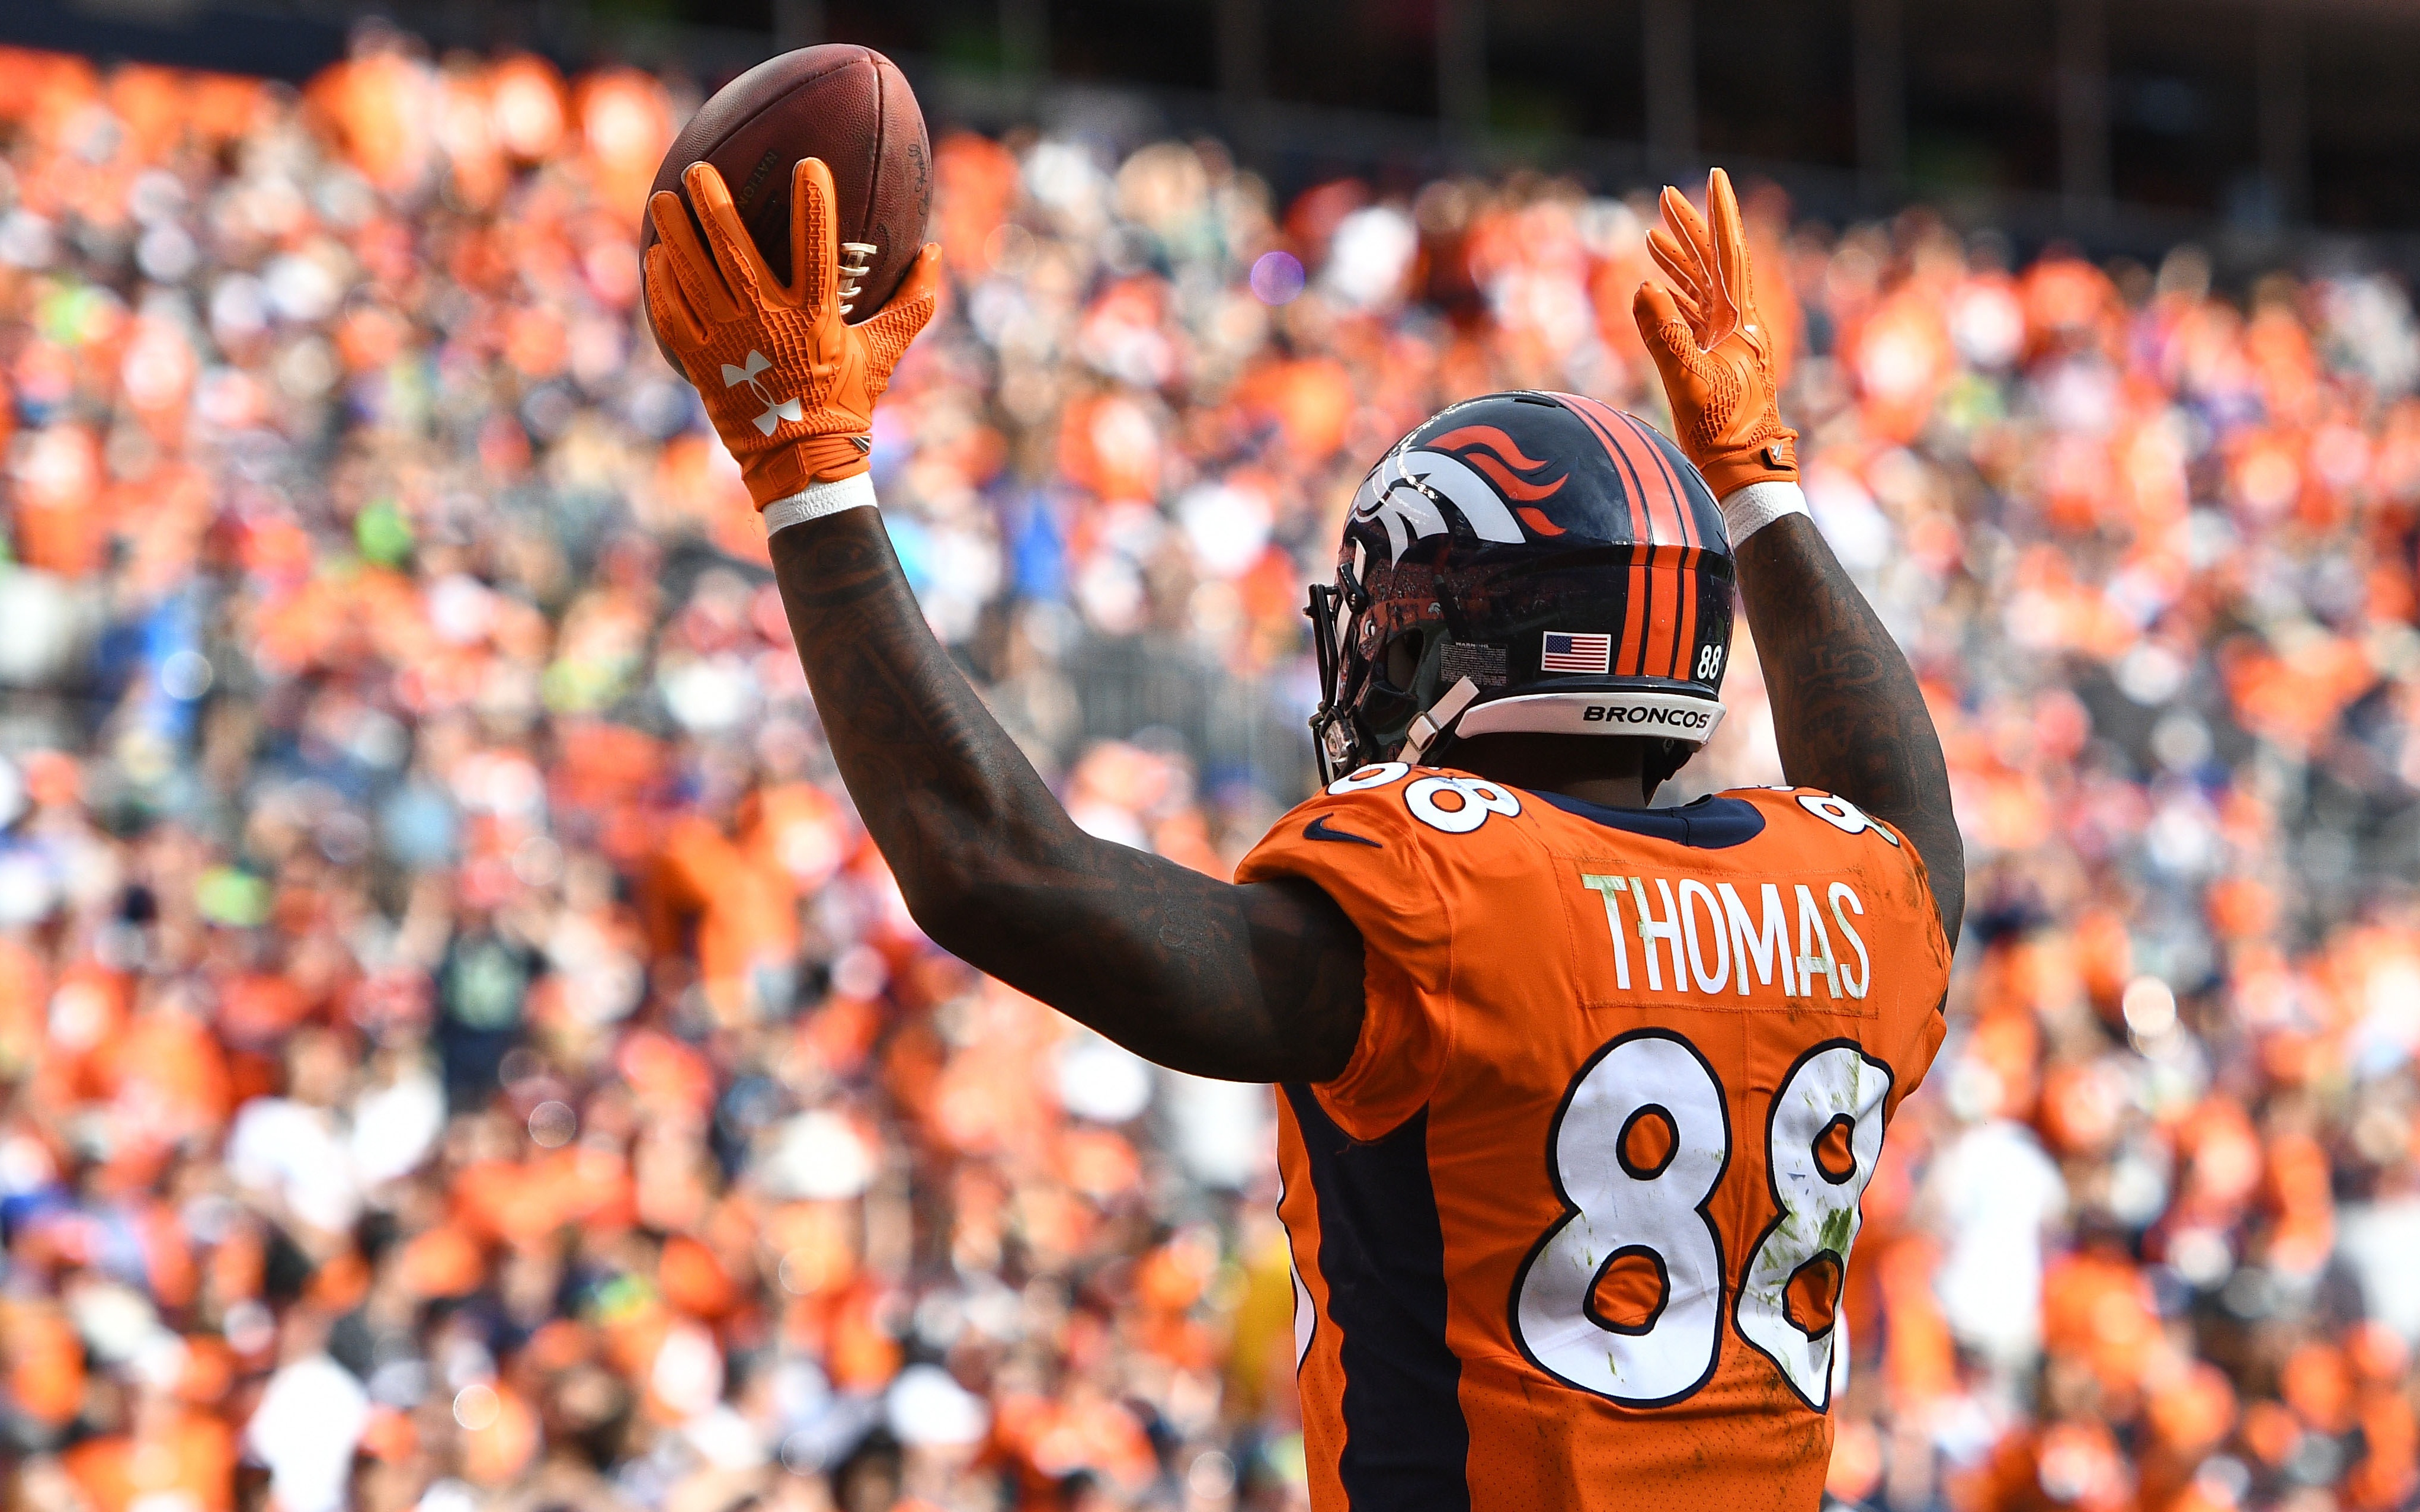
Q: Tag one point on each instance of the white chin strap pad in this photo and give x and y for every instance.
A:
(1436, 719)
(1626, 712)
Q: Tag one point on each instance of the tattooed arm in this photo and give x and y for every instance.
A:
(1846, 709)
(1257, 982)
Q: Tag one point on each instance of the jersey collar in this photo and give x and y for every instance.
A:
(1713, 822)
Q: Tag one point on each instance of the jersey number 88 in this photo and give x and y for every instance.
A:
(1637, 1150)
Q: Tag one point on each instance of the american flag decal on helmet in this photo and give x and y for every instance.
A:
(1590, 653)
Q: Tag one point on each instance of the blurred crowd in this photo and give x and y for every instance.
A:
(458, 1051)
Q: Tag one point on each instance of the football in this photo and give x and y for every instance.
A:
(847, 106)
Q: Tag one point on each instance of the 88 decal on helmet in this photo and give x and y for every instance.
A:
(1523, 562)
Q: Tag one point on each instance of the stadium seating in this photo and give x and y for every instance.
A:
(458, 1049)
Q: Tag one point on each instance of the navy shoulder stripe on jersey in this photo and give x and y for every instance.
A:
(1711, 823)
(1382, 1253)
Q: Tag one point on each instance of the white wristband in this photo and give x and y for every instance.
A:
(1748, 510)
(820, 499)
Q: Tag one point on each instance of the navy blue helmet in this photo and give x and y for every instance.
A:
(1523, 562)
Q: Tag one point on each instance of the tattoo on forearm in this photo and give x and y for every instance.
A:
(1848, 713)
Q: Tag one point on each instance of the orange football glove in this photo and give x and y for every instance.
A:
(1710, 348)
(789, 384)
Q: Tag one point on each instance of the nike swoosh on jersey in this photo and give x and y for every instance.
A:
(1320, 829)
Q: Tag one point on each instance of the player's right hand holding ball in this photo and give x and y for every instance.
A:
(789, 383)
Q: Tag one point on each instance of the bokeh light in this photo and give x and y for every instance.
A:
(1277, 277)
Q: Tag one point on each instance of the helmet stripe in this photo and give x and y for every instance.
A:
(1677, 494)
(1660, 483)
(1641, 531)
(1621, 445)
(1701, 516)
(1664, 510)
(1661, 489)
(1684, 641)
(1633, 619)
(1685, 624)
(1638, 612)
(1664, 620)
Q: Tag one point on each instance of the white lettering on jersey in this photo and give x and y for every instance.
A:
(1766, 945)
(1716, 943)
(1810, 963)
(1605, 887)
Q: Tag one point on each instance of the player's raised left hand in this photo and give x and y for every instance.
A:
(1711, 346)
(789, 383)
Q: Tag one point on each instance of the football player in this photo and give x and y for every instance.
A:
(1576, 1096)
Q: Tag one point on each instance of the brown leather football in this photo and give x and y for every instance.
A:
(847, 106)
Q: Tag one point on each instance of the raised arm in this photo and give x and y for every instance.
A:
(1259, 983)
(1846, 709)
(1847, 712)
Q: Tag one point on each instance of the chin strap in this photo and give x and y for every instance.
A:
(1436, 719)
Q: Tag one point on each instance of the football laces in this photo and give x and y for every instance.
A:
(855, 260)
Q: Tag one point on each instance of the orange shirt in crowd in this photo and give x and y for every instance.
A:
(187, 1461)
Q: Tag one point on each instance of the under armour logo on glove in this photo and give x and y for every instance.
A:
(723, 311)
(776, 410)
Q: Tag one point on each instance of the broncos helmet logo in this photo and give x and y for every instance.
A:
(1474, 469)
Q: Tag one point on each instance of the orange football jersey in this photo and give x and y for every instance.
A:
(1571, 1227)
